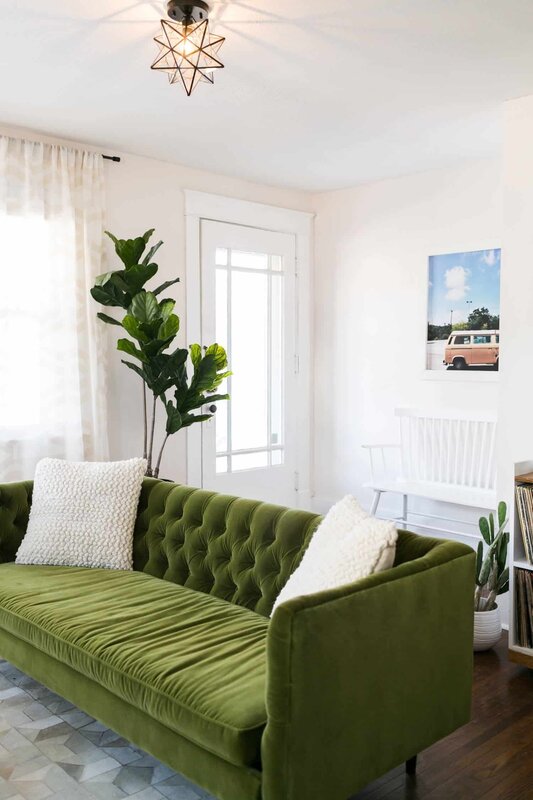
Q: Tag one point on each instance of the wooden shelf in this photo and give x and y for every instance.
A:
(522, 563)
(526, 478)
(517, 558)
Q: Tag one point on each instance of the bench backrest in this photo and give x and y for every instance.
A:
(456, 448)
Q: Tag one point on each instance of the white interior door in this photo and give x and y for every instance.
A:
(249, 306)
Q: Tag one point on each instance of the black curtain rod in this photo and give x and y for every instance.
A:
(111, 158)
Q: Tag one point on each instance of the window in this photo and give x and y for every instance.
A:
(25, 310)
(482, 339)
(51, 220)
(462, 340)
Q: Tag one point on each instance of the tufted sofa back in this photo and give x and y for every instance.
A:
(240, 550)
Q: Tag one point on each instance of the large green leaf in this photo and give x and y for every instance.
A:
(150, 328)
(479, 560)
(485, 570)
(501, 551)
(101, 280)
(108, 296)
(201, 400)
(136, 369)
(491, 526)
(484, 528)
(166, 307)
(221, 358)
(156, 346)
(196, 355)
(109, 320)
(151, 253)
(165, 285)
(144, 307)
(111, 236)
(169, 327)
(128, 250)
(503, 579)
(174, 422)
(138, 275)
(221, 376)
(204, 375)
(128, 347)
(190, 419)
(131, 326)
(502, 514)
(118, 280)
(178, 357)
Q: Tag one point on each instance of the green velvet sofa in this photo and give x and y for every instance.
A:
(181, 658)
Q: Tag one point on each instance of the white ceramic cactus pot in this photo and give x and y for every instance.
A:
(487, 629)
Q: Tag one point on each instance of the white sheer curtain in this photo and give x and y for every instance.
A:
(52, 353)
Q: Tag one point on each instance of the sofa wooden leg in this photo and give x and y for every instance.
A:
(410, 766)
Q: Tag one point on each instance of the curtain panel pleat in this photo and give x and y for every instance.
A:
(52, 351)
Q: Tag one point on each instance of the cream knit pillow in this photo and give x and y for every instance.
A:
(348, 544)
(83, 514)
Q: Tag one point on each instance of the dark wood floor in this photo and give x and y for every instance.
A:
(491, 757)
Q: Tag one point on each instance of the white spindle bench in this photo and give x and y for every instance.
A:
(447, 456)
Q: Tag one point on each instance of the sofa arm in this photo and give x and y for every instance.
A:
(364, 677)
(15, 501)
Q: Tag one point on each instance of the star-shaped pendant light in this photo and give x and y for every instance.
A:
(187, 50)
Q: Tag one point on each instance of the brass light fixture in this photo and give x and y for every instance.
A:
(187, 50)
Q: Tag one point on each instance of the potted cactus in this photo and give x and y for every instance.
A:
(492, 579)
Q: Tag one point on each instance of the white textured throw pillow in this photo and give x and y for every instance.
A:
(348, 545)
(83, 514)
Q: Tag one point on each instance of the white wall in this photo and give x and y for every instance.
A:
(372, 248)
(516, 398)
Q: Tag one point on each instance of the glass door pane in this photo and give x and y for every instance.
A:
(250, 324)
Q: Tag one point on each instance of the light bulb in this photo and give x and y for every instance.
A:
(185, 47)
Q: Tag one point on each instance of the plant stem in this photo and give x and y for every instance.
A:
(149, 467)
(156, 471)
(145, 445)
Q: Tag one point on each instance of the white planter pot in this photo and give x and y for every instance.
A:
(487, 629)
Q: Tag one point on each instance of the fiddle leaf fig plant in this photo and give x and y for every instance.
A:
(152, 328)
(492, 572)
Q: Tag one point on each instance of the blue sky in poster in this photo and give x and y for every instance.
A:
(462, 282)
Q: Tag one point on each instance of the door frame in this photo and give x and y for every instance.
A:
(217, 208)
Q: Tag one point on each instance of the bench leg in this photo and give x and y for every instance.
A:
(375, 502)
(410, 766)
(405, 511)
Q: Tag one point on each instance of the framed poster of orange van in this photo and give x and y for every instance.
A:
(463, 325)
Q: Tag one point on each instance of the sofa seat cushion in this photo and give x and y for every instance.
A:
(192, 661)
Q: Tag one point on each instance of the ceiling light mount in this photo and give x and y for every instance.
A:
(187, 13)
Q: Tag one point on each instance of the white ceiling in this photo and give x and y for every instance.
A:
(315, 95)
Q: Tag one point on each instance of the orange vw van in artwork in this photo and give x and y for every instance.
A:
(472, 348)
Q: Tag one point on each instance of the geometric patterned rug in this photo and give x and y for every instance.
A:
(51, 750)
